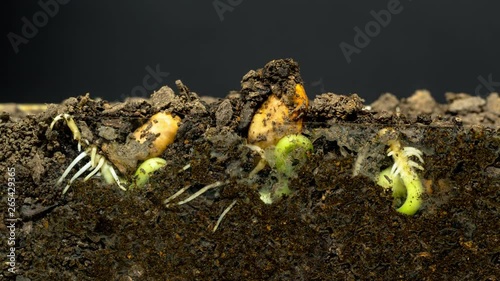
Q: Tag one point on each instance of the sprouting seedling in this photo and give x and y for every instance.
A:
(289, 153)
(278, 122)
(146, 169)
(97, 163)
(276, 118)
(402, 177)
(387, 180)
(161, 129)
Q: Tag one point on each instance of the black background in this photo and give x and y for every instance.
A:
(103, 47)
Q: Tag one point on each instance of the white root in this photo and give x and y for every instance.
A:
(115, 177)
(415, 165)
(396, 169)
(96, 169)
(409, 151)
(401, 158)
(70, 122)
(224, 213)
(97, 163)
(57, 118)
(262, 162)
(79, 173)
(182, 190)
(200, 192)
(70, 167)
(184, 168)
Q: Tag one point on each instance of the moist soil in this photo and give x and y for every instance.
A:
(337, 225)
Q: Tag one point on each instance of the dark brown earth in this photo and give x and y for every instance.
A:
(336, 226)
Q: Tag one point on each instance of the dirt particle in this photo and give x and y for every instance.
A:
(107, 133)
(162, 98)
(331, 105)
(421, 102)
(493, 104)
(37, 166)
(224, 113)
(466, 104)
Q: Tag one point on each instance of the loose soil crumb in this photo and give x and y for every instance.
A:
(338, 225)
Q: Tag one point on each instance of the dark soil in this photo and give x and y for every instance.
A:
(336, 226)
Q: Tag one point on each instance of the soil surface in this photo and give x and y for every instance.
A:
(337, 225)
